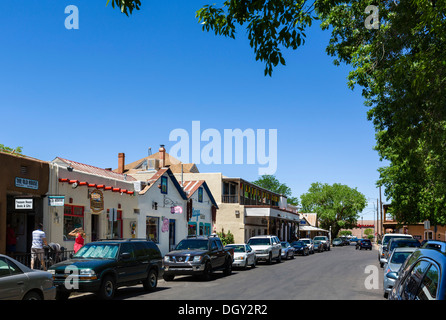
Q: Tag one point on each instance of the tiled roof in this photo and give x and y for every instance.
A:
(97, 171)
(191, 186)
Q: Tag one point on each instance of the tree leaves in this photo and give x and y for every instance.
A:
(337, 206)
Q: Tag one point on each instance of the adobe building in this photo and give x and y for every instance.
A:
(23, 188)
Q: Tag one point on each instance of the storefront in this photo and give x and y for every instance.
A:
(201, 208)
(23, 187)
(162, 210)
(101, 202)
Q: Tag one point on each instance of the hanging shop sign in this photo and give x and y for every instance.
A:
(56, 201)
(96, 200)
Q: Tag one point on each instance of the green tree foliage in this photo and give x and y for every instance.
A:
(271, 183)
(6, 149)
(401, 68)
(337, 206)
(126, 6)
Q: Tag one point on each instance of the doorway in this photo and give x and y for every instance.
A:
(94, 227)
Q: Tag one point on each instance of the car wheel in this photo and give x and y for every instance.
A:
(228, 270)
(168, 277)
(270, 258)
(207, 272)
(254, 262)
(108, 288)
(32, 296)
(279, 258)
(62, 295)
(151, 281)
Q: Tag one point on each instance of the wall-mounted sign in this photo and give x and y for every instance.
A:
(96, 200)
(176, 209)
(26, 183)
(56, 201)
(23, 204)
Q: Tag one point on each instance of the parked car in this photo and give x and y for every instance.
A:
(287, 250)
(434, 244)
(318, 246)
(198, 256)
(266, 248)
(398, 243)
(391, 269)
(363, 244)
(18, 282)
(324, 240)
(345, 241)
(309, 243)
(244, 256)
(104, 266)
(421, 277)
(385, 241)
(300, 247)
(337, 242)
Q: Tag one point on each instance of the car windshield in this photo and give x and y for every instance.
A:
(237, 248)
(192, 244)
(319, 238)
(259, 242)
(284, 244)
(399, 244)
(298, 243)
(366, 241)
(307, 241)
(317, 241)
(400, 257)
(337, 239)
(98, 251)
(387, 238)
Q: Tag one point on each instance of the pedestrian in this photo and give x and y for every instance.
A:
(11, 240)
(79, 240)
(37, 250)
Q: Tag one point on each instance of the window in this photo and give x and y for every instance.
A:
(73, 218)
(164, 185)
(152, 227)
(412, 281)
(200, 194)
(428, 289)
(4, 268)
(191, 228)
(127, 248)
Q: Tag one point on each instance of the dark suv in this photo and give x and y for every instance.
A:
(103, 266)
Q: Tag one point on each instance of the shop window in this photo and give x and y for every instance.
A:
(200, 194)
(192, 229)
(152, 228)
(73, 218)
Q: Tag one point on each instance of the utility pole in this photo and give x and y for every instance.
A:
(381, 210)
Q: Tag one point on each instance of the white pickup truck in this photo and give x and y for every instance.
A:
(266, 248)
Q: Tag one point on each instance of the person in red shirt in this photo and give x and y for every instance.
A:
(11, 240)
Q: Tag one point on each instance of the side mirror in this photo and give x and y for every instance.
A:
(125, 256)
(392, 275)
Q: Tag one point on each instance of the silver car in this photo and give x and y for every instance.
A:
(309, 244)
(18, 282)
(244, 256)
(391, 269)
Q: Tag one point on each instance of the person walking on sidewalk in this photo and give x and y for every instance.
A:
(37, 250)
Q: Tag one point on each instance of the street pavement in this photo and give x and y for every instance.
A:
(342, 273)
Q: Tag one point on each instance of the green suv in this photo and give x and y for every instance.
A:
(103, 266)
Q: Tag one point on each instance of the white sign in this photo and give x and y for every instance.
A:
(56, 201)
(23, 204)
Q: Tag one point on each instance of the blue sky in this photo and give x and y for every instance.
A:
(122, 84)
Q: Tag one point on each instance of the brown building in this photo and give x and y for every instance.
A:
(23, 187)
(418, 230)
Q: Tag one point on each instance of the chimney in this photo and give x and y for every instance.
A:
(162, 152)
(121, 162)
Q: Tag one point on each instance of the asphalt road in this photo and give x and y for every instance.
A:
(340, 274)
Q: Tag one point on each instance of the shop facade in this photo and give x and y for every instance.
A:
(162, 215)
(23, 187)
(101, 202)
(201, 208)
